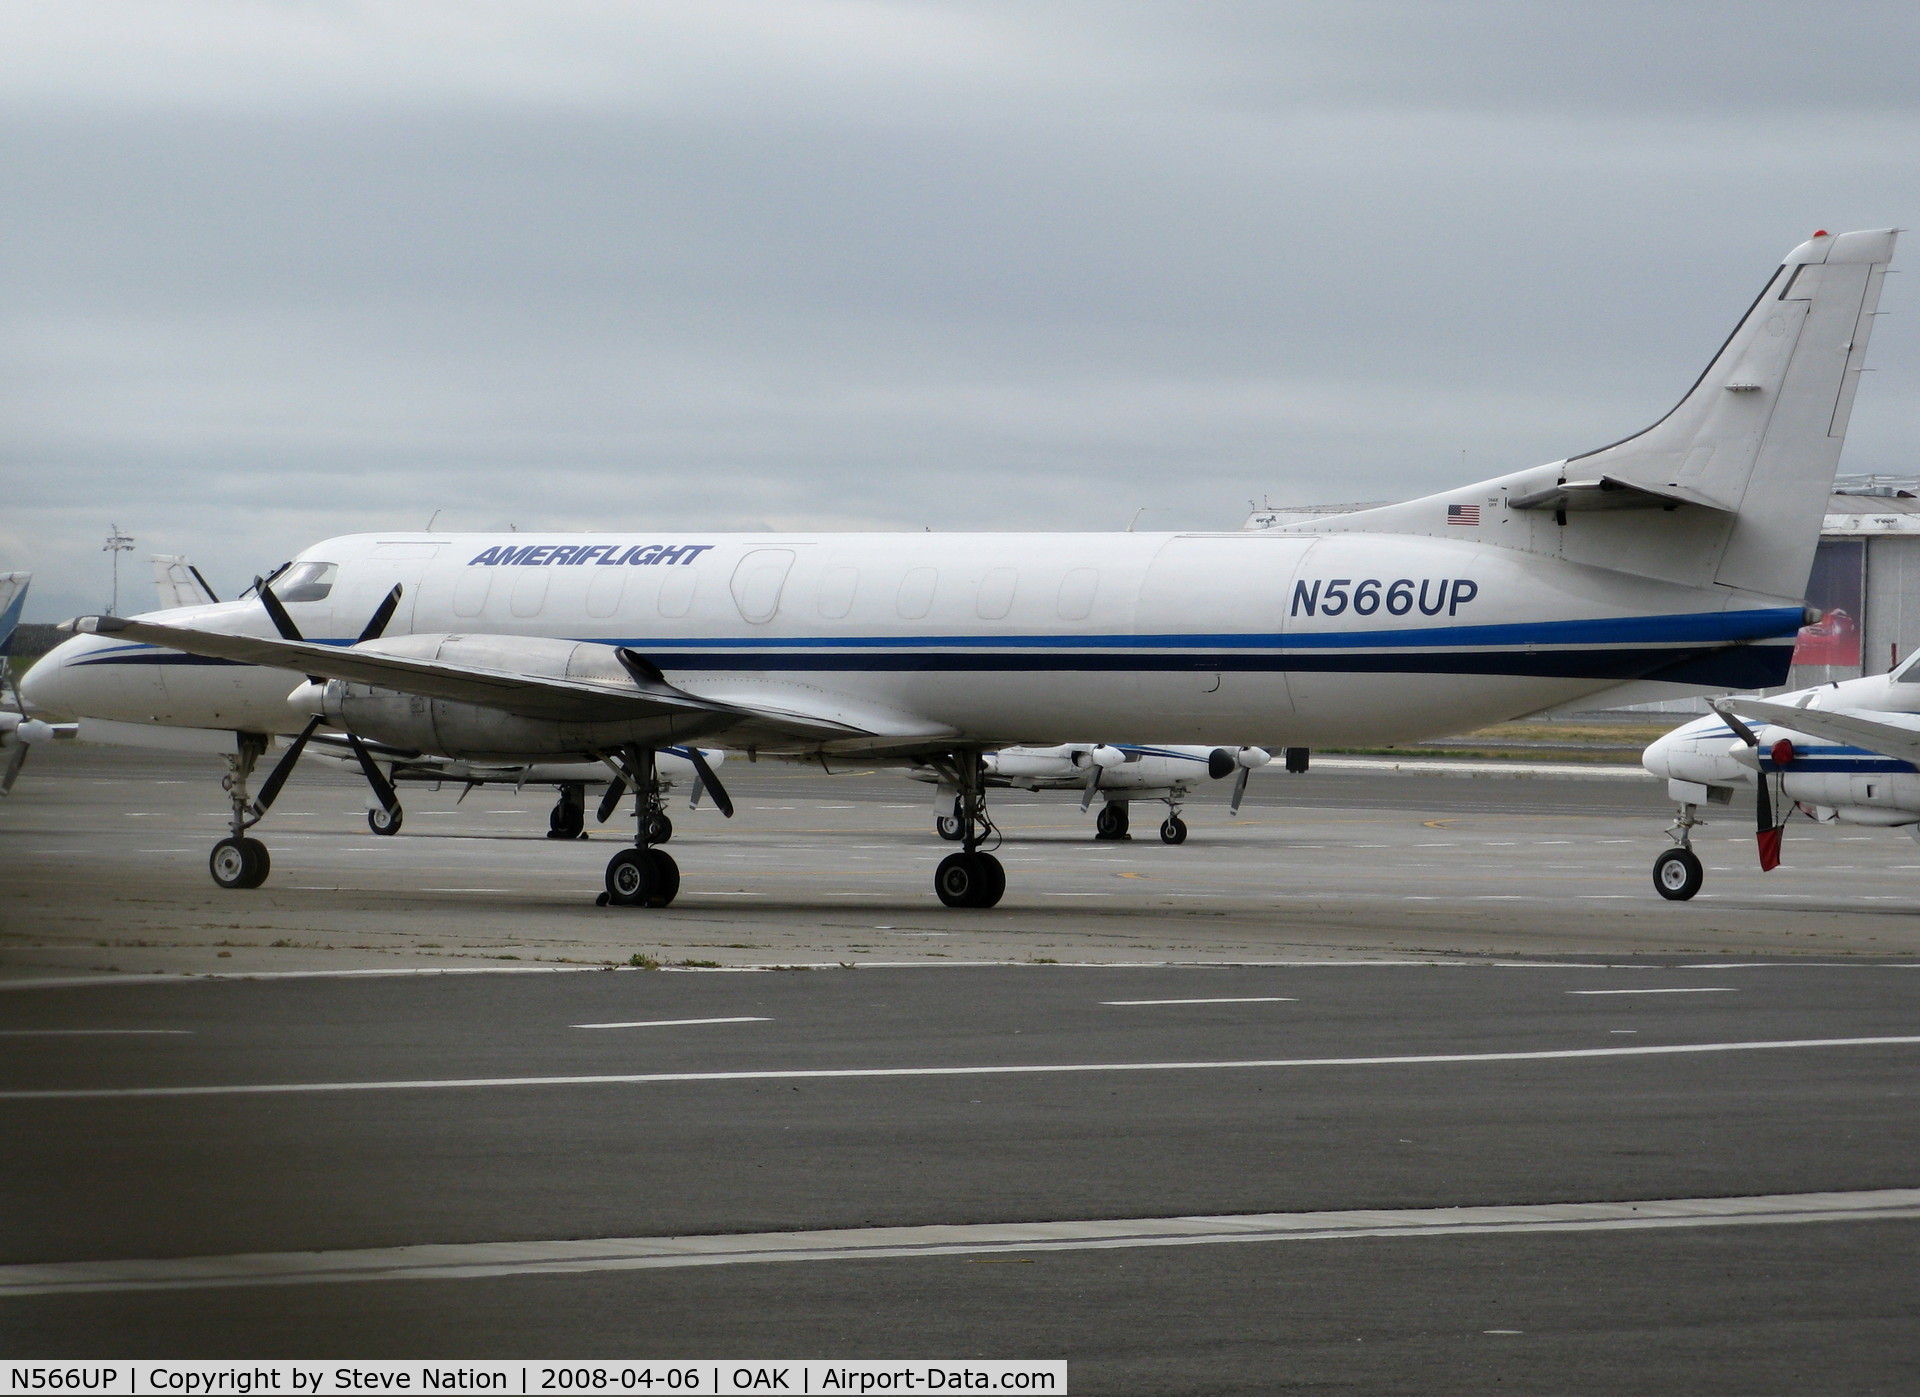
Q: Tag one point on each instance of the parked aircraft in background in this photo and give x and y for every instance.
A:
(18, 732)
(1677, 556)
(1844, 753)
(1119, 773)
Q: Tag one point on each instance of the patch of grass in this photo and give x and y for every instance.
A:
(1043, 960)
(642, 962)
(489, 957)
(701, 964)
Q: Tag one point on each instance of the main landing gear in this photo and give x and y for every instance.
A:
(240, 861)
(1677, 874)
(968, 878)
(642, 876)
(1111, 823)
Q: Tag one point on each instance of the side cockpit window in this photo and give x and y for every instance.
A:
(306, 582)
(1908, 673)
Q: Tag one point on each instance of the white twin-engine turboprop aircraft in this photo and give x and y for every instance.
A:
(1678, 555)
(1843, 753)
(1119, 773)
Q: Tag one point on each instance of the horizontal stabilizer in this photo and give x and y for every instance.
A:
(1610, 493)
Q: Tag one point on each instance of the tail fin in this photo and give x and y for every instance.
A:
(179, 583)
(1730, 486)
(13, 600)
(1759, 435)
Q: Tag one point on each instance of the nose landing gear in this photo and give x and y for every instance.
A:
(568, 819)
(239, 861)
(1677, 874)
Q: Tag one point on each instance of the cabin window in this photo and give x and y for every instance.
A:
(529, 592)
(470, 592)
(306, 582)
(676, 593)
(836, 592)
(603, 592)
(1076, 594)
(995, 598)
(915, 598)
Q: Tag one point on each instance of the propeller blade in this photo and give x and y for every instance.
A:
(15, 761)
(693, 797)
(1239, 792)
(1740, 729)
(1093, 784)
(278, 614)
(284, 768)
(1767, 834)
(382, 787)
(377, 623)
(710, 781)
(610, 801)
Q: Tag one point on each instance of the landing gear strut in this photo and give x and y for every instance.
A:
(239, 861)
(642, 876)
(1677, 874)
(969, 878)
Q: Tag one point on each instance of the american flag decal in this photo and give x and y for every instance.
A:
(1463, 514)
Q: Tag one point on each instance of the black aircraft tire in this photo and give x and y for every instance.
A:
(969, 880)
(950, 827)
(383, 821)
(659, 829)
(1677, 875)
(631, 878)
(666, 878)
(993, 883)
(1112, 821)
(1173, 830)
(239, 863)
(566, 821)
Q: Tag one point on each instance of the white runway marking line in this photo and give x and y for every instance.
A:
(672, 1023)
(1249, 999)
(794, 1074)
(482, 1260)
(1701, 989)
(89, 1032)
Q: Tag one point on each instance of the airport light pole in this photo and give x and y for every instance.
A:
(117, 543)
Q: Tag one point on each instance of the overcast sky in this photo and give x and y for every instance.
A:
(274, 271)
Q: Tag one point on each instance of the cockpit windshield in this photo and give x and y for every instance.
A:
(1908, 673)
(306, 582)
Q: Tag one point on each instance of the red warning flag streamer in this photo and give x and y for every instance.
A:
(1769, 840)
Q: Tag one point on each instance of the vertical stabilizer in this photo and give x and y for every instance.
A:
(1759, 435)
(13, 600)
(179, 583)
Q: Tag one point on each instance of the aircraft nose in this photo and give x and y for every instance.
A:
(1658, 758)
(43, 688)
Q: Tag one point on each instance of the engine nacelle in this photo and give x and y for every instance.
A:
(471, 731)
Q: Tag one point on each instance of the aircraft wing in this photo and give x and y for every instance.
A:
(1849, 726)
(537, 696)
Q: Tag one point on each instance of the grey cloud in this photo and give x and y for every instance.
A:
(877, 265)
